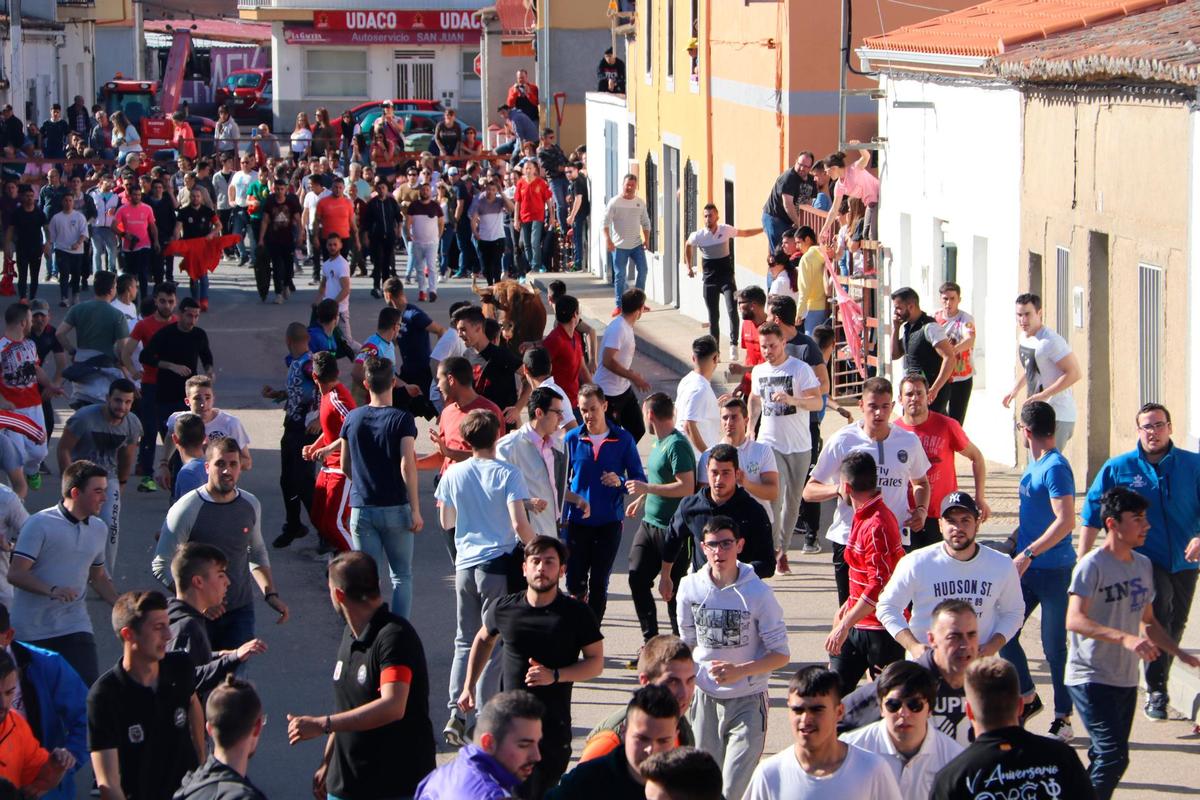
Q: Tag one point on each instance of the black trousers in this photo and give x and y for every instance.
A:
(958, 396)
(490, 253)
(28, 267)
(841, 573)
(810, 513)
(717, 275)
(383, 260)
(863, 651)
(645, 563)
(1173, 594)
(297, 477)
(592, 549)
(273, 266)
(555, 749)
(625, 410)
(930, 534)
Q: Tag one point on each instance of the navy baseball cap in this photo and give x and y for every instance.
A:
(959, 500)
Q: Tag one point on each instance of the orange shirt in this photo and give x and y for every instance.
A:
(21, 756)
(334, 215)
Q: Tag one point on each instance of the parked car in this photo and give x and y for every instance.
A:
(247, 93)
(418, 127)
(401, 104)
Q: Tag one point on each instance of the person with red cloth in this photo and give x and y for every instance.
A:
(524, 95)
(565, 347)
(140, 336)
(941, 437)
(330, 510)
(858, 641)
(533, 198)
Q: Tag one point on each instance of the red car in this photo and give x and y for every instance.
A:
(247, 92)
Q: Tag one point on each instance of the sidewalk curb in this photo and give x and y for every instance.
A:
(646, 348)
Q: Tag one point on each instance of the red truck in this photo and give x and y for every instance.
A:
(247, 94)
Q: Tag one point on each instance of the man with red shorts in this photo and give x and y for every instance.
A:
(330, 511)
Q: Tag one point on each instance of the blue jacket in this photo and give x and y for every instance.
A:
(618, 453)
(473, 773)
(55, 699)
(1173, 490)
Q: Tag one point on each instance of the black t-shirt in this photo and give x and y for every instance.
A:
(805, 348)
(147, 727)
(164, 216)
(28, 229)
(47, 342)
(54, 137)
(788, 183)
(389, 761)
(579, 188)
(1011, 762)
(447, 137)
(553, 635)
(497, 378)
(197, 222)
(949, 714)
(171, 344)
(280, 220)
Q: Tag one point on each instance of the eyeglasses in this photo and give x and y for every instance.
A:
(1153, 427)
(720, 544)
(558, 411)
(913, 704)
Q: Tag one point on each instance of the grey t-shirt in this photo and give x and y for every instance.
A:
(234, 527)
(1119, 592)
(99, 440)
(63, 551)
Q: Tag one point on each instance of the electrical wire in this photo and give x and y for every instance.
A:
(848, 38)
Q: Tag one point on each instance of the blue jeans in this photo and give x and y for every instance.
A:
(1107, 712)
(468, 258)
(813, 319)
(1047, 588)
(448, 256)
(104, 249)
(774, 229)
(579, 233)
(232, 629)
(621, 258)
(199, 289)
(242, 224)
(382, 532)
(531, 243)
(558, 187)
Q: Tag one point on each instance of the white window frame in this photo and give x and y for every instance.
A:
(366, 72)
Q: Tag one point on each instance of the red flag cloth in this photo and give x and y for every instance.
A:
(19, 423)
(7, 289)
(851, 315)
(202, 255)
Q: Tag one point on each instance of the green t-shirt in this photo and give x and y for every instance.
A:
(669, 457)
(98, 325)
(260, 191)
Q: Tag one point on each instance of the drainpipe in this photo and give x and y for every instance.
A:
(706, 70)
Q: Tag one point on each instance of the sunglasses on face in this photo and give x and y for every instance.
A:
(913, 704)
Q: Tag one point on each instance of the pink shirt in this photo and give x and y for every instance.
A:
(135, 221)
(545, 446)
(857, 182)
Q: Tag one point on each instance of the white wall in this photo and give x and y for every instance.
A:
(602, 108)
(952, 173)
(288, 65)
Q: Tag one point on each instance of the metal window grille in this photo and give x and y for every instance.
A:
(691, 198)
(1062, 288)
(1150, 321)
(652, 203)
(414, 79)
(670, 39)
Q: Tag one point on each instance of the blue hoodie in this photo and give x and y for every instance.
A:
(617, 453)
(474, 774)
(1172, 487)
(55, 700)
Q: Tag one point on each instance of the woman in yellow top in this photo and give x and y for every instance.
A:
(813, 285)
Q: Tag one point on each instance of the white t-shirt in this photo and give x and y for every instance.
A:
(915, 775)
(898, 459)
(333, 270)
(754, 458)
(861, 774)
(241, 186)
(448, 345)
(223, 424)
(310, 205)
(617, 336)
(712, 244)
(784, 427)
(128, 309)
(1039, 355)
(782, 284)
(301, 140)
(695, 401)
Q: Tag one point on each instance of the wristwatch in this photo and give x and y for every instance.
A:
(328, 726)
(1028, 553)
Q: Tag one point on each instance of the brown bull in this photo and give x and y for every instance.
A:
(522, 306)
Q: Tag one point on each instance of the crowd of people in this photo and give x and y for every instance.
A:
(538, 470)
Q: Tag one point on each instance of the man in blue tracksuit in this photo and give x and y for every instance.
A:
(1169, 478)
(602, 457)
(53, 702)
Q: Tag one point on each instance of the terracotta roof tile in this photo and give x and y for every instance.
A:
(1161, 45)
(996, 27)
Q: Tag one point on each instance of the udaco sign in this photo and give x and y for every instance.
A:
(381, 21)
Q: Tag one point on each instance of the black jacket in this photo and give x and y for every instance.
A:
(189, 633)
(694, 511)
(212, 780)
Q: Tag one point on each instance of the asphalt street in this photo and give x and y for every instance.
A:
(294, 676)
